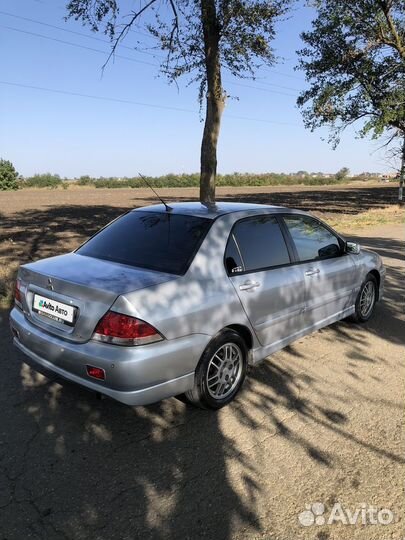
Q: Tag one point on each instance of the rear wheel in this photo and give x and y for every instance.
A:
(366, 300)
(220, 372)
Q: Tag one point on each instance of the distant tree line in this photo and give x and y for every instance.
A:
(11, 180)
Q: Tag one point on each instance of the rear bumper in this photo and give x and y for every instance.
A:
(134, 375)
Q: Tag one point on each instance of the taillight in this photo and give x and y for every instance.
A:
(17, 294)
(122, 329)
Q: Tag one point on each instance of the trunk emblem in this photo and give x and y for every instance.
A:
(50, 285)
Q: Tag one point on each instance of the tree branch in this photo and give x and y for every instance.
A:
(125, 31)
(175, 30)
(396, 42)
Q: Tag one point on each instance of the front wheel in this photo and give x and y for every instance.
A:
(366, 300)
(220, 372)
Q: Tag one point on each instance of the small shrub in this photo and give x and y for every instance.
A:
(111, 183)
(43, 180)
(85, 181)
(342, 173)
(8, 176)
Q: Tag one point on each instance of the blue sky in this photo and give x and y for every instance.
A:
(74, 135)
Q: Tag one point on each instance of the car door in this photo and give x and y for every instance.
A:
(270, 288)
(329, 272)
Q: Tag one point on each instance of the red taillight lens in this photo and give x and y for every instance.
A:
(96, 372)
(122, 329)
(17, 294)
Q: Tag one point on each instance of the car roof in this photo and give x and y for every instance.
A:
(209, 211)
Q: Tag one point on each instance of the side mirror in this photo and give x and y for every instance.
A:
(353, 248)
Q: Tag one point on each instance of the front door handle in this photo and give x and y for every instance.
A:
(312, 272)
(249, 285)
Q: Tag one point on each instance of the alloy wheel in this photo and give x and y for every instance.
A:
(224, 371)
(367, 298)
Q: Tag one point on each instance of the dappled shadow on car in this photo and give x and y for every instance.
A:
(35, 234)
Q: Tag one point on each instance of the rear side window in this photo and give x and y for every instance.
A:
(156, 241)
(312, 239)
(233, 260)
(260, 243)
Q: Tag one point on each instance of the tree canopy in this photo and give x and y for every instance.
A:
(354, 60)
(8, 176)
(201, 39)
(342, 173)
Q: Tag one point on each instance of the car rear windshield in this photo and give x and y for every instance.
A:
(157, 241)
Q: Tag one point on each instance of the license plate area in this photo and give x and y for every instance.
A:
(54, 310)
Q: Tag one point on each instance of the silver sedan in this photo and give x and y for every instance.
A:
(179, 300)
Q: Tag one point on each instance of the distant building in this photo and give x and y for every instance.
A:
(367, 174)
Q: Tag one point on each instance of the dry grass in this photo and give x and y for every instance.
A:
(350, 223)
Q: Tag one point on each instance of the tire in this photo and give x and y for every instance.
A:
(366, 300)
(224, 359)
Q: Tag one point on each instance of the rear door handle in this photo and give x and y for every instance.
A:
(249, 285)
(312, 272)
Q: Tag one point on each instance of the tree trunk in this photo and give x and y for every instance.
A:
(402, 175)
(215, 102)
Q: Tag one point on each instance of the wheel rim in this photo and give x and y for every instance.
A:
(224, 371)
(367, 298)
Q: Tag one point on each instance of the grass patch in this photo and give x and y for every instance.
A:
(385, 216)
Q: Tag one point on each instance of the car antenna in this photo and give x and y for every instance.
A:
(168, 208)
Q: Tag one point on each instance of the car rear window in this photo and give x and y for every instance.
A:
(158, 241)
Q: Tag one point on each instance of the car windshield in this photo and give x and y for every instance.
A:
(157, 241)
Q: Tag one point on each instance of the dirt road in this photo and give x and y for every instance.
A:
(320, 422)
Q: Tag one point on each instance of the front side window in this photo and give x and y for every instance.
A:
(312, 240)
(157, 241)
(258, 243)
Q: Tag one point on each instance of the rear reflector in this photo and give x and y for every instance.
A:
(95, 372)
(120, 329)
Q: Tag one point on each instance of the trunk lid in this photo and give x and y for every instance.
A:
(87, 284)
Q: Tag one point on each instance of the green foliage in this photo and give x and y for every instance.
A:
(193, 180)
(342, 173)
(354, 59)
(235, 179)
(242, 30)
(8, 176)
(43, 180)
(85, 181)
(201, 38)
